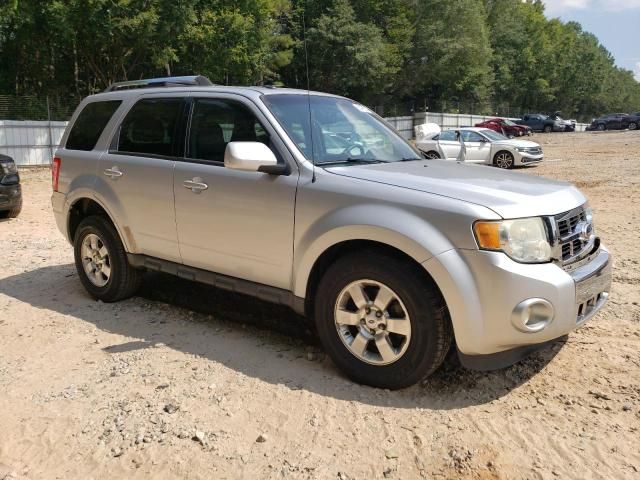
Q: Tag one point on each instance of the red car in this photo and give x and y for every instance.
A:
(505, 127)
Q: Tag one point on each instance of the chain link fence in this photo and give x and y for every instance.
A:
(37, 108)
(31, 127)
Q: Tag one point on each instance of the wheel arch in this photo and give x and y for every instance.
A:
(85, 206)
(346, 248)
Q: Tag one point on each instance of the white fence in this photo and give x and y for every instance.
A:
(33, 143)
(29, 142)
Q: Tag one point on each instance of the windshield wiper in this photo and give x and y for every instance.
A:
(411, 159)
(352, 160)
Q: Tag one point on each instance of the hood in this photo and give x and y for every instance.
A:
(509, 194)
(517, 143)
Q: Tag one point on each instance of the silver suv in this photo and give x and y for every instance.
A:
(313, 201)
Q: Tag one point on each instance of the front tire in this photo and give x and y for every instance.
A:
(433, 155)
(548, 129)
(101, 261)
(13, 213)
(504, 160)
(381, 321)
(601, 127)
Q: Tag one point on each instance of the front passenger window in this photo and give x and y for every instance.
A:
(216, 122)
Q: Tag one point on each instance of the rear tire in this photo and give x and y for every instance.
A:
(418, 347)
(633, 126)
(101, 261)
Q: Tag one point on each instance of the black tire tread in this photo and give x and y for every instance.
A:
(419, 287)
(126, 279)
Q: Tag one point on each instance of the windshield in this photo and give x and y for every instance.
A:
(510, 123)
(493, 136)
(342, 131)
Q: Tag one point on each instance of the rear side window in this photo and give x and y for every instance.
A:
(151, 127)
(448, 136)
(89, 125)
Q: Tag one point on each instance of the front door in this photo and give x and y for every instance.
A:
(478, 151)
(136, 176)
(237, 223)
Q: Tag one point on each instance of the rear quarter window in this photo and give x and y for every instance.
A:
(89, 125)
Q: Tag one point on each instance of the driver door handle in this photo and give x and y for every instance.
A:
(196, 185)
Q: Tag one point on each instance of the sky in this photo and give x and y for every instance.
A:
(616, 23)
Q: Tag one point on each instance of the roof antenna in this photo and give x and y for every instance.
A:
(306, 64)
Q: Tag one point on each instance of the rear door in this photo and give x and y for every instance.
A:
(449, 144)
(237, 223)
(136, 175)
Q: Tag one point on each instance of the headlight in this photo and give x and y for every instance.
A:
(521, 149)
(8, 167)
(524, 240)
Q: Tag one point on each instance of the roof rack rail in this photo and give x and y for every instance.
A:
(194, 80)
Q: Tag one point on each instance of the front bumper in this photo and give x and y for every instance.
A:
(484, 289)
(524, 158)
(10, 196)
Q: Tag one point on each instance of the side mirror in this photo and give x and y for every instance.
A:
(253, 157)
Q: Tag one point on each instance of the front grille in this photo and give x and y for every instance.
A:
(572, 245)
(534, 150)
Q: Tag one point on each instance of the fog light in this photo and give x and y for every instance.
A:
(532, 315)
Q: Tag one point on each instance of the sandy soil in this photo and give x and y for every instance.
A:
(185, 381)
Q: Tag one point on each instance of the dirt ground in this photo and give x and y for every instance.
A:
(185, 381)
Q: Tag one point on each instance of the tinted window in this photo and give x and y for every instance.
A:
(151, 127)
(90, 123)
(216, 122)
(449, 135)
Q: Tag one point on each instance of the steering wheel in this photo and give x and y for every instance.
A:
(349, 150)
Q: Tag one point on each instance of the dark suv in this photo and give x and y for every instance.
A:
(541, 123)
(616, 121)
(10, 191)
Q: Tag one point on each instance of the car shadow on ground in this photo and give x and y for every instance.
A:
(257, 339)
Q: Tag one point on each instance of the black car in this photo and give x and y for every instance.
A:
(615, 121)
(539, 122)
(10, 190)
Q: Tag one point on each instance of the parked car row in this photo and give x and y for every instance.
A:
(529, 123)
(616, 121)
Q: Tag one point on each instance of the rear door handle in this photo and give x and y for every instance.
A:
(113, 172)
(196, 185)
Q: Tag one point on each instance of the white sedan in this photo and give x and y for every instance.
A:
(480, 145)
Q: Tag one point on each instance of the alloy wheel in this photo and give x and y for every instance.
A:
(95, 260)
(372, 322)
(504, 160)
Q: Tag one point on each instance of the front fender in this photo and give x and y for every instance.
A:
(385, 224)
